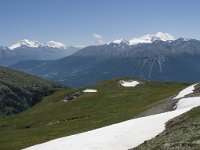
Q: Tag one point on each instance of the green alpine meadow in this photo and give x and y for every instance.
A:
(55, 117)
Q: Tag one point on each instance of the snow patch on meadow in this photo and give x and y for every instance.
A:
(89, 91)
(128, 83)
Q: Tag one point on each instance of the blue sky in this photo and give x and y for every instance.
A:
(75, 21)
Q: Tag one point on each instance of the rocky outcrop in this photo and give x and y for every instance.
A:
(72, 96)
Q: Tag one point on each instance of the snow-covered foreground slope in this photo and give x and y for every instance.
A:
(121, 136)
(186, 91)
(189, 102)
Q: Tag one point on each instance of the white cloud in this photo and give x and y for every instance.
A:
(98, 39)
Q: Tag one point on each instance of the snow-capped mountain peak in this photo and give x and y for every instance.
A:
(26, 43)
(149, 38)
(36, 44)
(143, 39)
(55, 44)
(119, 41)
(163, 36)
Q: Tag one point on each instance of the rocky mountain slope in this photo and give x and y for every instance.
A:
(181, 132)
(20, 91)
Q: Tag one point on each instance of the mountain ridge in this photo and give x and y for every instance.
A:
(34, 51)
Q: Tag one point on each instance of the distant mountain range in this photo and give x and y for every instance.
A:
(52, 50)
(155, 57)
(34, 50)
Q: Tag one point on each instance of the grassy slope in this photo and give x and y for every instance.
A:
(19, 91)
(182, 133)
(111, 104)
